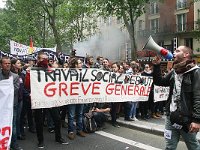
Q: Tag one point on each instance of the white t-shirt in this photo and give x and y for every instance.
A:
(176, 91)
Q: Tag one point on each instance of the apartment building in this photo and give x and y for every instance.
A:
(171, 23)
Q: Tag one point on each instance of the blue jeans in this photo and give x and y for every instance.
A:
(133, 109)
(127, 110)
(189, 138)
(75, 110)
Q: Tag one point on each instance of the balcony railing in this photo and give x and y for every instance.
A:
(186, 27)
(170, 29)
(181, 5)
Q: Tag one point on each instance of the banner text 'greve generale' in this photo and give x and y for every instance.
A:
(115, 82)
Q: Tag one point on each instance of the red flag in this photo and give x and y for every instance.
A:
(31, 50)
(31, 42)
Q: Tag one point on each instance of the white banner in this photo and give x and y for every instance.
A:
(6, 112)
(20, 49)
(160, 93)
(63, 86)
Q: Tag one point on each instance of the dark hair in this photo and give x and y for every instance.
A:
(22, 63)
(118, 65)
(98, 58)
(106, 59)
(13, 61)
(88, 58)
(135, 66)
(40, 53)
(73, 62)
(5, 57)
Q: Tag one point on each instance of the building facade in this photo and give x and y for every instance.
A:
(171, 23)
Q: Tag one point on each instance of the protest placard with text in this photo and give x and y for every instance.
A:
(57, 87)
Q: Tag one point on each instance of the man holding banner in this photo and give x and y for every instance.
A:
(42, 63)
(6, 74)
(183, 103)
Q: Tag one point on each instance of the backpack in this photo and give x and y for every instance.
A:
(89, 123)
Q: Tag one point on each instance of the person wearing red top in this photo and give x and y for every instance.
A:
(42, 62)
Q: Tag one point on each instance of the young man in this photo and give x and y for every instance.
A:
(89, 62)
(183, 103)
(100, 113)
(75, 111)
(99, 62)
(42, 62)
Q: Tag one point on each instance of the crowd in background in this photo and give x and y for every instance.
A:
(71, 116)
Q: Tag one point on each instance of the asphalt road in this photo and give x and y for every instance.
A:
(110, 138)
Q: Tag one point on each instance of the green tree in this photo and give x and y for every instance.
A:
(21, 23)
(76, 17)
(50, 8)
(50, 22)
(7, 23)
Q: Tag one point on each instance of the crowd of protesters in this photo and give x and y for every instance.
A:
(65, 116)
(55, 118)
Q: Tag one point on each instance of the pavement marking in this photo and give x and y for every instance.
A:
(127, 141)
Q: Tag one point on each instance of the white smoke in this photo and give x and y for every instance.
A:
(107, 44)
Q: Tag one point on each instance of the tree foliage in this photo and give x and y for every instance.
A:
(49, 22)
(8, 28)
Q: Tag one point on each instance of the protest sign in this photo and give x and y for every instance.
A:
(57, 87)
(160, 93)
(6, 112)
(53, 55)
(20, 49)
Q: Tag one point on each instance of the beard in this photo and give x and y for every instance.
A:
(177, 60)
(183, 66)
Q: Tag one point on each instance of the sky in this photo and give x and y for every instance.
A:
(2, 3)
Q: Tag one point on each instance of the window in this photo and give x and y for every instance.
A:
(189, 42)
(140, 25)
(140, 31)
(153, 8)
(181, 22)
(154, 25)
(181, 4)
(198, 20)
(161, 43)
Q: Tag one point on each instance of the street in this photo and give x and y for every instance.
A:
(110, 138)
